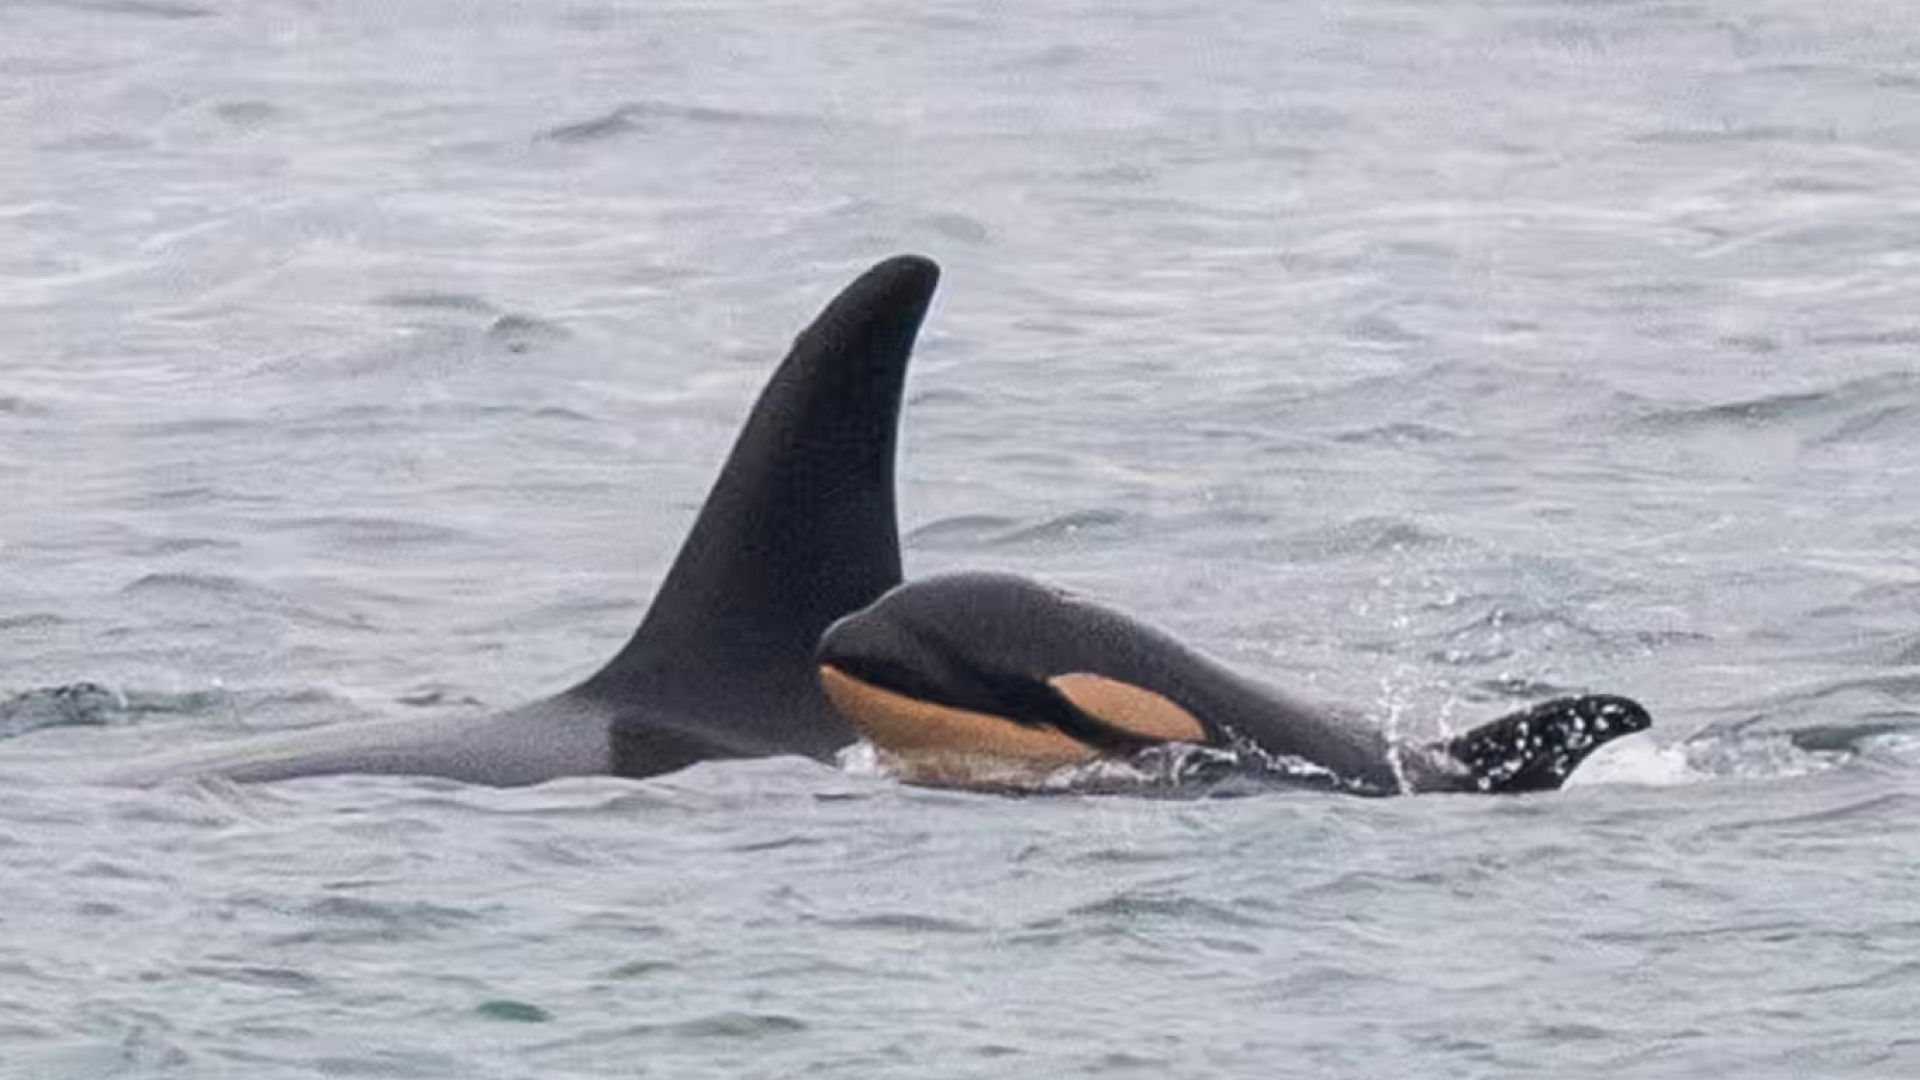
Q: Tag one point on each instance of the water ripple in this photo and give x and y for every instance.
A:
(645, 116)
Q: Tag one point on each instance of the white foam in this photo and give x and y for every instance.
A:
(861, 759)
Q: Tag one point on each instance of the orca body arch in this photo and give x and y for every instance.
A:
(992, 680)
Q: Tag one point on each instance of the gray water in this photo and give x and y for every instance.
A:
(366, 359)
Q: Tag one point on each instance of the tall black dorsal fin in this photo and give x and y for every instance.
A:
(798, 530)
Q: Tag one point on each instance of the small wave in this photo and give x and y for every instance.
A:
(1848, 738)
(183, 589)
(524, 333)
(1818, 185)
(434, 697)
(1838, 722)
(1398, 434)
(639, 969)
(1069, 526)
(904, 923)
(1738, 134)
(1899, 975)
(1043, 57)
(1518, 626)
(349, 920)
(1519, 688)
(1380, 329)
(1896, 688)
(166, 10)
(1184, 911)
(89, 704)
(166, 581)
(72, 705)
(1875, 406)
(960, 530)
(194, 496)
(736, 1025)
(585, 797)
(953, 396)
(1124, 174)
(724, 1026)
(544, 412)
(425, 349)
(643, 116)
(1745, 413)
(958, 227)
(1758, 344)
(975, 531)
(32, 620)
(1822, 822)
(177, 545)
(1508, 623)
(1759, 755)
(519, 1012)
(1904, 336)
(349, 531)
(1431, 403)
(248, 114)
(1364, 536)
(1898, 421)
(235, 426)
(271, 978)
(463, 303)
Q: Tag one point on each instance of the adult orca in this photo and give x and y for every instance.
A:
(798, 530)
(995, 681)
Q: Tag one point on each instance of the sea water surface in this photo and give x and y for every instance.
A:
(360, 360)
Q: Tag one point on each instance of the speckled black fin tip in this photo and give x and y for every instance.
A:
(1537, 748)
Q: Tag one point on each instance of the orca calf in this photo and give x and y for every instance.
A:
(798, 530)
(994, 681)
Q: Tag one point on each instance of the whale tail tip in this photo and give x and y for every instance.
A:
(1537, 748)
